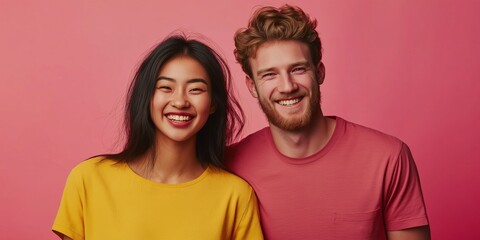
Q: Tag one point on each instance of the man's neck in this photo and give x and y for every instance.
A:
(306, 141)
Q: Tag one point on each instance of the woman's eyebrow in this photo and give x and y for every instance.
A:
(165, 78)
(193, 80)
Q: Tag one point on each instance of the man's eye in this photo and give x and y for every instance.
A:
(299, 70)
(268, 75)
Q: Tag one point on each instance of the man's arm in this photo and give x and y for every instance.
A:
(405, 215)
(416, 233)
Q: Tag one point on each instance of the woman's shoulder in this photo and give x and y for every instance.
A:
(228, 180)
(92, 166)
(93, 163)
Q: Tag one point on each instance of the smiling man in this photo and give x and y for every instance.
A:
(316, 176)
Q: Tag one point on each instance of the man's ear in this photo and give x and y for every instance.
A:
(251, 86)
(320, 73)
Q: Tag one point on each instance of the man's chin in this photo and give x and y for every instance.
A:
(290, 124)
(287, 121)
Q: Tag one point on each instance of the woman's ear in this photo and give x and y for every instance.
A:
(251, 86)
(212, 108)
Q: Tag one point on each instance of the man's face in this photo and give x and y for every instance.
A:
(285, 83)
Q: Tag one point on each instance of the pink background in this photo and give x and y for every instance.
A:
(408, 68)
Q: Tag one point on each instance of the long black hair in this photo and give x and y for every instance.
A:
(222, 127)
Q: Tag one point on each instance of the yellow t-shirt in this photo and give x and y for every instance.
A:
(107, 200)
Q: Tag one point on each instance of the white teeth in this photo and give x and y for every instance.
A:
(289, 102)
(182, 118)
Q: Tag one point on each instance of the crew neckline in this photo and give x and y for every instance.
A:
(143, 180)
(337, 133)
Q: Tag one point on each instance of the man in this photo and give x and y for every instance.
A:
(317, 177)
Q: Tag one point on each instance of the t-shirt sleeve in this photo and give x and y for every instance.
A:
(69, 219)
(248, 226)
(404, 205)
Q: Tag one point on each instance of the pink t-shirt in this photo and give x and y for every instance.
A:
(361, 184)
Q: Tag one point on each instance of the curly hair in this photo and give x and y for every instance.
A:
(270, 24)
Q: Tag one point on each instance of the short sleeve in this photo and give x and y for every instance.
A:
(69, 219)
(404, 204)
(249, 223)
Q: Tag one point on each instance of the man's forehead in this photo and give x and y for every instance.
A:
(279, 52)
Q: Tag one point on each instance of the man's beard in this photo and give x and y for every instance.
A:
(292, 124)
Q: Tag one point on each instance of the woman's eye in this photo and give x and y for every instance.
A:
(197, 90)
(165, 88)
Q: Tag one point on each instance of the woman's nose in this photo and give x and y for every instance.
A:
(179, 100)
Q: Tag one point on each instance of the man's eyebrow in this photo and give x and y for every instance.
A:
(193, 80)
(301, 63)
(305, 64)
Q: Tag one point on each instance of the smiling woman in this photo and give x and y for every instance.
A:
(167, 182)
(182, 102)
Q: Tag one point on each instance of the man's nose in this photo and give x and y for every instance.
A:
(287, 83)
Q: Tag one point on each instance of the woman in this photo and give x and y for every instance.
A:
(167, 183)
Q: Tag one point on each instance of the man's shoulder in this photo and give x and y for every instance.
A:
(256, 139)
(370, 136)
(246, 152)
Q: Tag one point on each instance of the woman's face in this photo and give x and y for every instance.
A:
(181, 103)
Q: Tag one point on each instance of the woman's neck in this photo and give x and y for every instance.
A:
(172, 162)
